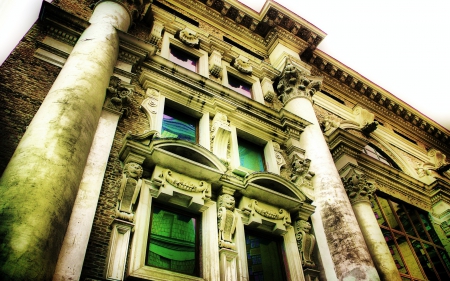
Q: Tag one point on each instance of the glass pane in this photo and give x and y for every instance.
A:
(172, 243)
(240, 86)
(406, 222)
(178, 125)
(396, 256)
(405, 279)
(251, 155)
(445, 258)
(183, 58)
(423, 259)
(390, 217)
(434, 257)
(408, 257)
(264, 258)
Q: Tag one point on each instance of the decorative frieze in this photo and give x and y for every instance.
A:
(305, 242)
(357, 187)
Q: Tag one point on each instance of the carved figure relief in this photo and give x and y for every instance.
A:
(226, 221)
(295, 83)
(301, 175)
(305, 242)
(220, 137)
(130, 186)
(118, 97)
(357, 187)
(188, 37)
(242, 64)
(329, 123)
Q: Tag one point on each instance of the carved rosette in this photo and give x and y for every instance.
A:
(294, 83)
(188, 37)
(305, 242)
(358, 189)
(242, 64)
(226, 221)
(118, 96)
(130, 185)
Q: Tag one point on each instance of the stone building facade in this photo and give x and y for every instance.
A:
(201, 140)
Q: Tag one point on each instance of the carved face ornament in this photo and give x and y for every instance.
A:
(133, 170)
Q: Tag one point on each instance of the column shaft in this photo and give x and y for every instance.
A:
(375, 241)
(348, 250)
(39, 185)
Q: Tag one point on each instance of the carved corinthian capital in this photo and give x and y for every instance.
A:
(357, 187)
(293, 83)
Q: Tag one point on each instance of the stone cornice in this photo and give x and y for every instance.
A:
(341, 141)
(352, 84)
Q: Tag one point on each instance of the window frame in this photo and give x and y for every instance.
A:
(169, 39)
(257, 94)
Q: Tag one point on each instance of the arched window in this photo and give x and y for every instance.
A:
(378, 154)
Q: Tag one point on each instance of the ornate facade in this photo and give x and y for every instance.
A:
(201, 140)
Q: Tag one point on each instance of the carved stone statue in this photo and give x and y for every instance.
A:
(130, 186)
(305, 242)
(118, 97)
(226, 221)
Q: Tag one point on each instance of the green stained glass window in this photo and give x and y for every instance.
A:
(173, 242)
(179, 125)
(264, 257)
(251, 156)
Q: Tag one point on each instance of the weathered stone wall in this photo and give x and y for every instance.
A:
(24, 83)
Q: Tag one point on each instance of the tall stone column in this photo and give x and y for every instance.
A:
(40, 183)
(359, 192)
(349, 254)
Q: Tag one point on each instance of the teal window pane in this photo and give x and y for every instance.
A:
(264, 258)
(251, 156)
(240, 86)
(183, 58)
(173, 242)
(179, 125)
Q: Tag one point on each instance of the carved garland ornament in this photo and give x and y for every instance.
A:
(178, 181)
(281, 215)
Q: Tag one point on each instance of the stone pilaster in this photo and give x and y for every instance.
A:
(360, 191)
(334, 218)
(40, 183)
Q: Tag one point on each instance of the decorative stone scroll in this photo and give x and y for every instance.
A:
(130, 186)
(357, 187)
(180, 189)
(437, 162)
(150, 107)
(215, 64)
(188, 37)
(305, 242)
(242, 64)
(226, 221)
(267, 89)
(301, 175)
(293, 83)
(329, 123)
(281, 162)
(156, 33)
(220, 137)
(118, 96)
(259, 212)
(365, 119)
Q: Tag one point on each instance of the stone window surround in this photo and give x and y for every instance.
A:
(251, 79)
(169, 39)
(267, 145)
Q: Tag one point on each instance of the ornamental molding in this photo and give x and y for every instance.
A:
(377, 100)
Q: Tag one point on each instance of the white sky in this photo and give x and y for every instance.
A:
(401, 45)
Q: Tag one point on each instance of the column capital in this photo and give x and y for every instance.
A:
(296, 83)
(357, 187)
